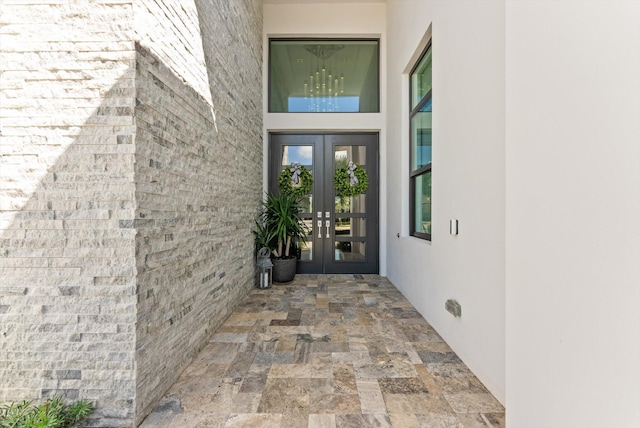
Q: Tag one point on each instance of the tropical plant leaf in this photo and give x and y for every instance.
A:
(280, 223)
(14, 415)
(53, 413)
(78, 412)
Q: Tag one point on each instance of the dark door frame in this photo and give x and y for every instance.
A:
(323, 198)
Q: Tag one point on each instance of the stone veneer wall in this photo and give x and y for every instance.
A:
(125, 215)
(198, 179)
(67, 201)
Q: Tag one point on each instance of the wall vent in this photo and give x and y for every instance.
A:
(453, 307)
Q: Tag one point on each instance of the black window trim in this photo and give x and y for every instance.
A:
(425, 168)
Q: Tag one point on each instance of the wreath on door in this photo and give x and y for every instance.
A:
(350, 180)
(295, 180)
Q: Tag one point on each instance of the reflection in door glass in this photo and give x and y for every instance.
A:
(350, 227)
(304, 156)
(349, 251)
(306, 248)
(354, 204)
(300, 154)
(305, 204)
(344, 154)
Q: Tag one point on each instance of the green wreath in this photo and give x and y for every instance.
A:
(342, 180)
(295, 180)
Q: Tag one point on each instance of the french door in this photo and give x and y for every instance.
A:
(342, 231)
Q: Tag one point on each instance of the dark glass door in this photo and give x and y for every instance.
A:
(343, 231)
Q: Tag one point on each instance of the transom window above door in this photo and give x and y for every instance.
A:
(324, 75)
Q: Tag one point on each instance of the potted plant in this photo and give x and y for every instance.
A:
(280, 228)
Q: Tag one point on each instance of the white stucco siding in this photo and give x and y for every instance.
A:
(468, 176)
(573, 210)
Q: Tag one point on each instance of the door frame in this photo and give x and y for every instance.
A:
(323, 143)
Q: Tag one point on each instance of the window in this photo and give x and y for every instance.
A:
(323, 75)
(420, 142)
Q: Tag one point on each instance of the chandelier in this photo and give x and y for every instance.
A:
(322, 87)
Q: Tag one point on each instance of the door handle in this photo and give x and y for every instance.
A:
(328, 224)
(319, 229)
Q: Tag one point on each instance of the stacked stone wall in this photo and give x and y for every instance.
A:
(198, 182)
(67, 204)
(130, 175)
(170, 31)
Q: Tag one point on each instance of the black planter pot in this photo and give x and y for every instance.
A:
(284, 269)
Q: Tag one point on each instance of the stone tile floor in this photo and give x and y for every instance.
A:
(327, 351)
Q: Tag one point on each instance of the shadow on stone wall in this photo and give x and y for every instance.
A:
(67, 295)
(125, 229)
(132, 225)
(198, 189)
(194, 246)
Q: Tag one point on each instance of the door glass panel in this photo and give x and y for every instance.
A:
(343, 155)
(349, 251)
(350, 227)
(306, 248)
(304, 156)
(354, 204)
(356, 154)
(301, 154)
(305, 204)
(347, 227)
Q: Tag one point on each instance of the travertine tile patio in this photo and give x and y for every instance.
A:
(327, 351)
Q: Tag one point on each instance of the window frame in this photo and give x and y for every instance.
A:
(322, 39)
(415, 174)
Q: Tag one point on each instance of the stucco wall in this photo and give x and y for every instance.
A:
(468, 175)
(573, 210)
(536, 153)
